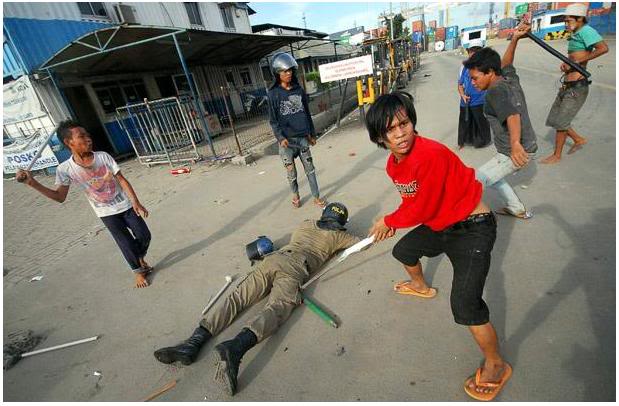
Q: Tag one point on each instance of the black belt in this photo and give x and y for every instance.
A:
(576, 83)
(474, 220)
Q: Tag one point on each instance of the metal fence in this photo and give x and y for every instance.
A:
(161, 131)
(238, 118)
(170, 130)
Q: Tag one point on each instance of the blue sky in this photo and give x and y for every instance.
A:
(333, 17)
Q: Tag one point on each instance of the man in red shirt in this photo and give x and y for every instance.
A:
(441, 199)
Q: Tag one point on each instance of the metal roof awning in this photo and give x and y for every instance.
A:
(133, 49)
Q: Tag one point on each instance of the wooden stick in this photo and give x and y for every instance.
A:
(57, 347)
(161, 391)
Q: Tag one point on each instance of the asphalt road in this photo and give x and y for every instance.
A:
(551, 287)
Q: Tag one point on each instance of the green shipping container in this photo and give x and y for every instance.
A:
(522, 8)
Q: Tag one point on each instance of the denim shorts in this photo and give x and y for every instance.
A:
(567, 103)
(468, 246)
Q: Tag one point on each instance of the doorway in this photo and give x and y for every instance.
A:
(86, 115)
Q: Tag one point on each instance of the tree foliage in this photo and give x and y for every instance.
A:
(398, 21)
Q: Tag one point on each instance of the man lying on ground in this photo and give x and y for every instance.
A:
(280, 276)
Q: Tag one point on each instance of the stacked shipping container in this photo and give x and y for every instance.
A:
(440, 34)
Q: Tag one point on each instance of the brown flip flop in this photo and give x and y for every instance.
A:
(497, 386)
(402, 289)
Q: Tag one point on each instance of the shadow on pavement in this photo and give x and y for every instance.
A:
(593, 367)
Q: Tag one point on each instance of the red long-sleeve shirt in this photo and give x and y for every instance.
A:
(437, 189)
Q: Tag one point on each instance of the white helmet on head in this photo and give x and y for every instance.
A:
(576, 10)
(476, 43)
(282, 61)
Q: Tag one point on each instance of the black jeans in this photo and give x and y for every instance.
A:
(131, 234)
(468, 245)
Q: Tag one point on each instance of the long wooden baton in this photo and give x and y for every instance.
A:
(160, 392)
(559, 55)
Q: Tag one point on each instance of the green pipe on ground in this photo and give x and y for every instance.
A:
(321, 313)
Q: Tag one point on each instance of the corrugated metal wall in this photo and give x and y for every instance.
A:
(10, 65)
(37, 40)
(161, 14)
(165, 14)
(41, 11)
(51, 99)
(604, 24)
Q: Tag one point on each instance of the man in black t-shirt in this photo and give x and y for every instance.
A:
(506, 110)
(292, 125)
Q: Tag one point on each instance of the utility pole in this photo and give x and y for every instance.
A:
(391, 19)
(304, 22)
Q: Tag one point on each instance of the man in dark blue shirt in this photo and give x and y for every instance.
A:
(292, 124)
(473, 128)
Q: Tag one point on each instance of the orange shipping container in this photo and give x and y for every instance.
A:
(564, 4)
(440, 34)
(599, 11)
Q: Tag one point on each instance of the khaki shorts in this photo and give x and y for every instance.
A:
(566, 105)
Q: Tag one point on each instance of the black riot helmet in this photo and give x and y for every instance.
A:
(334, 217)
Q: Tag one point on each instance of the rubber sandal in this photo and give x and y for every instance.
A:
(296, 202)
(524, 215)
(496, 386)
(402, 289)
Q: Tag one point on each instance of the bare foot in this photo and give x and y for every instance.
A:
(296, 201)
(140, 280)
(552, 159)
(577, 145)
(145, 266)
(491, 373)
(320, 202)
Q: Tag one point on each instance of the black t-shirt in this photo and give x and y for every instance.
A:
(504, 99)
(289, 113)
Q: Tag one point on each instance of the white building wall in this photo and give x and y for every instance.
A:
(164, 14)
(50, 11)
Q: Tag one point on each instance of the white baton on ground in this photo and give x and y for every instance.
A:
(221, 291)
(57, 347)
